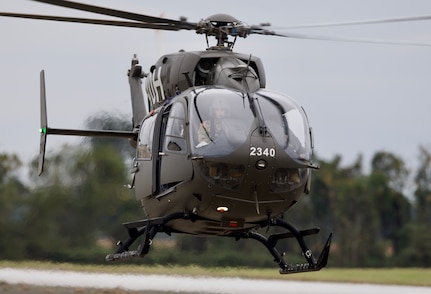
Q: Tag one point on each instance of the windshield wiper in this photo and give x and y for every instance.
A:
(257, 112)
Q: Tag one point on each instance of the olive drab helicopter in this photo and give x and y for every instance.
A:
(217, 154)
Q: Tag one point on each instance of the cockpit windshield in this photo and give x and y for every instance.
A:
(290, 127)
(221, 121)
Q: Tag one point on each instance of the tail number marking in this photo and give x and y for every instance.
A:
(259, 151)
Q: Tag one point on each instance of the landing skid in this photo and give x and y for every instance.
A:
(271, 241)
(150, 227)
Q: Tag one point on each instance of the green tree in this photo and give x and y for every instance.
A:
(392, 168)
(80, 199)
(341, 200)
(423, 187)
(386, 182)
(13, 194)
(417, 250)
(79, 202)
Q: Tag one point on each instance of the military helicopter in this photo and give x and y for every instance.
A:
(217, 154)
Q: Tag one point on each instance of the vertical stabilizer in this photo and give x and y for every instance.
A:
(139, 105)
(43, 122)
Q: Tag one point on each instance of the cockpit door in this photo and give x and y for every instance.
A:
(174, 166)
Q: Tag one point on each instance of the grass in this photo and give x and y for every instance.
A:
(392, 276)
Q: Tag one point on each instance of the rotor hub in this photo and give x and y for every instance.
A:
(221, 26)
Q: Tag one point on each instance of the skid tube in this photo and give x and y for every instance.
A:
(271, 241)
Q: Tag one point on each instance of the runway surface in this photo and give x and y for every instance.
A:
(183, 284)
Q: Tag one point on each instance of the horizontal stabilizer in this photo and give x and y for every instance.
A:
(89, 133)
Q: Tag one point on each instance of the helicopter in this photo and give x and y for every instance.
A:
(198, 174)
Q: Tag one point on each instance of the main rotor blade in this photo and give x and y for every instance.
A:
(338, 39)
(361, 22)
(116, 23)
(165, 22)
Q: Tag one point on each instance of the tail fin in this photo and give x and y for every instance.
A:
(43, 122)
(140, 107)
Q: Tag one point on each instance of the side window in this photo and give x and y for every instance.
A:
(145, 142)
(175, 129)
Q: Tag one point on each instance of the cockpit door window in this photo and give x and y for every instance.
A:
(175, 129)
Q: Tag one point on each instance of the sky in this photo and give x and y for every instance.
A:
(359, 98)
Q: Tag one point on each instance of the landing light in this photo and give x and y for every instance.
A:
(261, 164)
(222, 209)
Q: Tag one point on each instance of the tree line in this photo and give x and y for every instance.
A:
(73, 213)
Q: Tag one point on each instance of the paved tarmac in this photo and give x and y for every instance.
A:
(16, 279)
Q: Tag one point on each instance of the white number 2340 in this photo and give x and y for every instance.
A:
(259, 151)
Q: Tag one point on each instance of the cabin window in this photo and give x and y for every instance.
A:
(145, 142)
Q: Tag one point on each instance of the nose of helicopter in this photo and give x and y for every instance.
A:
(253, 181)
(255, 159)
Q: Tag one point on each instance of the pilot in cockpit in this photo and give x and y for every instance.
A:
(211, 128)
